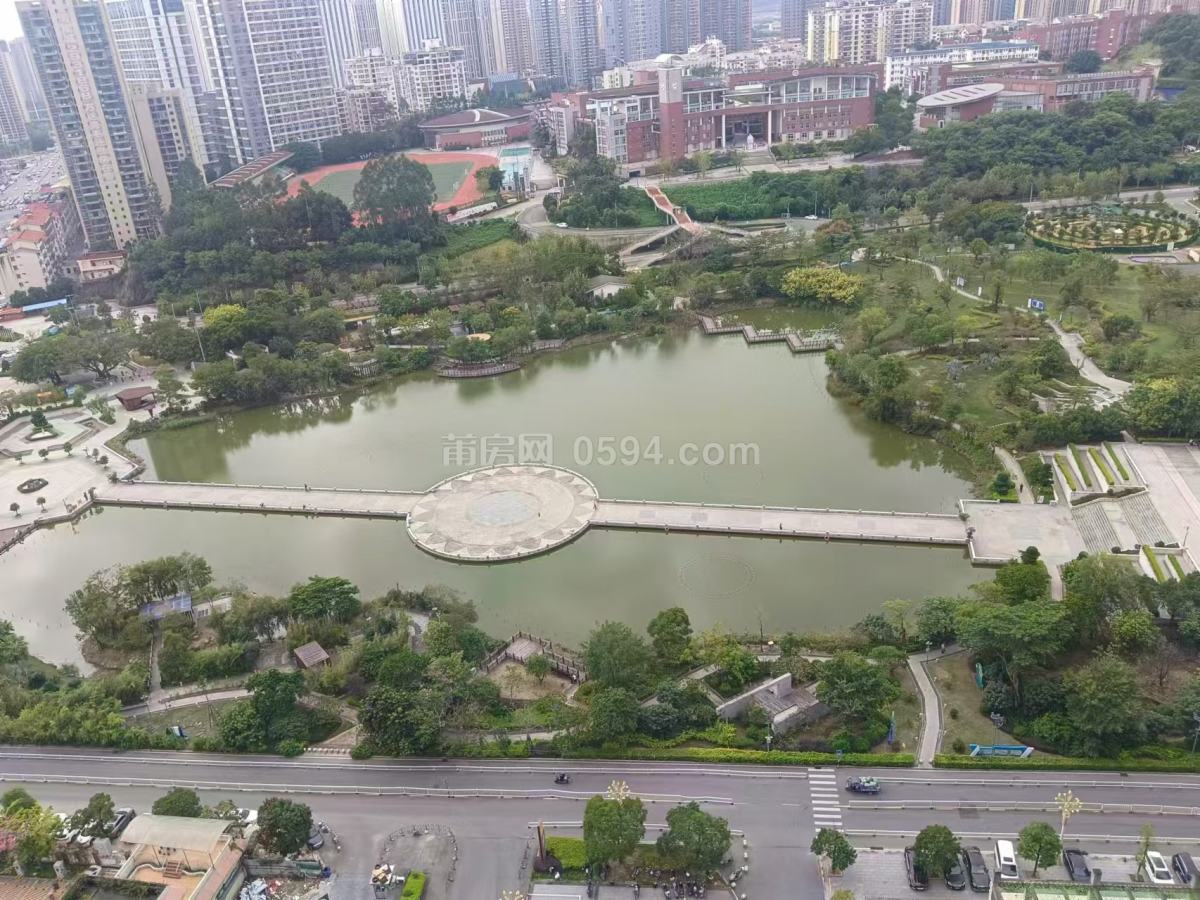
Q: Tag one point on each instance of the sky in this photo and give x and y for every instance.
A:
(9, 26)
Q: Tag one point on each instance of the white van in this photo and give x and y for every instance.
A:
(1006, 861)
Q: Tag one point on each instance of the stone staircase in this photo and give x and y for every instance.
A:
(1145, 521)
(173, 869)
(1097, 531)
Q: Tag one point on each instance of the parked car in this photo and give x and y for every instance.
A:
(863, 785)
(125, 815)
(247, 816)
(917, 879)
(977, 870)
(1006, 861)
(1076, 861)
(316, 840)
(1185, 867)
(1156, 868)
(956, 876)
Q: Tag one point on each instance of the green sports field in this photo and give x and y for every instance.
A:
(447, 176)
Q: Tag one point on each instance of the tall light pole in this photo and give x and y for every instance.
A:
(618, 790)
(512, 895)
(1068, 805)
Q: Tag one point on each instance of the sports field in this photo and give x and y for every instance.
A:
(453, 177)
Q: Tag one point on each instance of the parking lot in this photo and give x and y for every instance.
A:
(45, 168)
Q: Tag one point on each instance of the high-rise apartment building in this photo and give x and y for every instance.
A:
(405, 25)
(158, 117)
(512, 36)
(12, 113)
(155, 47)
(549, 56)
(583, 57)
(340, 29)
(466, 24)
(29, 89)
(861, 32)
(73, 53)
(272, 80)
(632, 30)
(681, 25)
(366, 25)
(686, 23)
(431, 75)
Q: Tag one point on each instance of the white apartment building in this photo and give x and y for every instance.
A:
(405, 25)
(71, 45)
(900, 69)
(12, 112)
(339, 24)
(268, 64)
(863, 32)
(512, 36)
(432, 74)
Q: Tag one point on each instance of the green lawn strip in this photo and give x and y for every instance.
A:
(1176, 565)
(1182, 762)
(1079, 463)
(1101, 465)
(763, 757)
(414, 886)
(1159, 574)
(1065, 470)
(1116, 458)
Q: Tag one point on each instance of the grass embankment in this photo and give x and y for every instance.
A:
(1081, 465)
(961, 698)
(1065, 470)
(1101, 465)
(1155, 566)
(1116, 458)
(200, 720)
(1177, 566)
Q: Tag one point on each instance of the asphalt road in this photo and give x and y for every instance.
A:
(491, 805)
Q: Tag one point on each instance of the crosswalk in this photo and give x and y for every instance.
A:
(826, 802)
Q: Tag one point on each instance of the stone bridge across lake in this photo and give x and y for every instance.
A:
(511, 512)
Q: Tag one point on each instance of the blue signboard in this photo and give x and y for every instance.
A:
(1000, 750)
(1036, 304)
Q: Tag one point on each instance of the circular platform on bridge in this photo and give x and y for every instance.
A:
(502, 513)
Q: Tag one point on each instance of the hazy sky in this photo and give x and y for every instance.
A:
(9, 26)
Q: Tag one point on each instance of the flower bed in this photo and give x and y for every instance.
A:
(1108, 229)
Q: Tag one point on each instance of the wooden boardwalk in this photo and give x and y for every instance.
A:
(798, 342)
(478, 370)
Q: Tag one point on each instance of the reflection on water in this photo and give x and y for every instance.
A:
(813, 450)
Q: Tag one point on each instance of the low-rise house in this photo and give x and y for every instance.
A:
(198, 859)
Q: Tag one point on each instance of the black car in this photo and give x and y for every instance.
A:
(1185, 867)
(956, 876)
(316, 840)
(917, 879)
(977, 870)
(125, 815)
(1076, 861)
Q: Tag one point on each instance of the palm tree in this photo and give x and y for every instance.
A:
(41, 502)
(67, 448)
(15, 508)
(44, 454)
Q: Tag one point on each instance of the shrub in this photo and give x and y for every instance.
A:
(763, 757)
(959, 746)
(1101, 465)
(1116, 458)
(1155, 566)
(1131, 761)
(1065, 469)
(1079, 463)
(290, 748)
(414, 886)
(362, 750)
(569, 851)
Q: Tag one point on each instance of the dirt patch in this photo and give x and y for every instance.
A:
(516, 683)
(431, 849)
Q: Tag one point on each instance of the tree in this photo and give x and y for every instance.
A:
(394, 190)
(284, 825)
(871, 322)
(305, 156)
(13, 647)
(94, 819)
(1039, 843)
(178, 802)
(613, 715)
(832, 845)
(1016, 582)
(538, 666)
(612, 829)
(1017, 638)
(45, 359)
(16, 799)
(36, 829)
(671, 635)
(854, 687)
(273, 696)
(170, 388)
(1104, 706)
(617, 657)
(402, 723)
(694, 840)
(324, 598)
(935, 620)
(936, 849)
(826, 287)
(1083, 62)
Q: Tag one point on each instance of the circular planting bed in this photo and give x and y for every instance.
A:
(1111, 228)
(31, 485)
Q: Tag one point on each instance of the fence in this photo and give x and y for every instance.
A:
(561, 663)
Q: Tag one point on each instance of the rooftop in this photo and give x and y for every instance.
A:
(200, 835)
(311, 654)
(475, 117)
(252, 169)
(957, 96)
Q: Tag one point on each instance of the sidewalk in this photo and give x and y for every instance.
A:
(931, 706)
(1024, 492)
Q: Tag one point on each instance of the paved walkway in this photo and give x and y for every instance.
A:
(830, 524)
(931, 705)
(170, 701)
(258, 498)
(1024, 492)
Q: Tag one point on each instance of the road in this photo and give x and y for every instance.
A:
(490, 805)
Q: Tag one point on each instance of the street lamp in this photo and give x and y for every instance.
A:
(618, 790)
(512, 895)
(1068, 805)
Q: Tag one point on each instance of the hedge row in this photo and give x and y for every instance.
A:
(1117, 460)
(1068, 763)
(414, 886)
(726, 755)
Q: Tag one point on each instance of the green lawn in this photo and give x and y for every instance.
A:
(961, 719)
(447, 176)
(196, 720)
